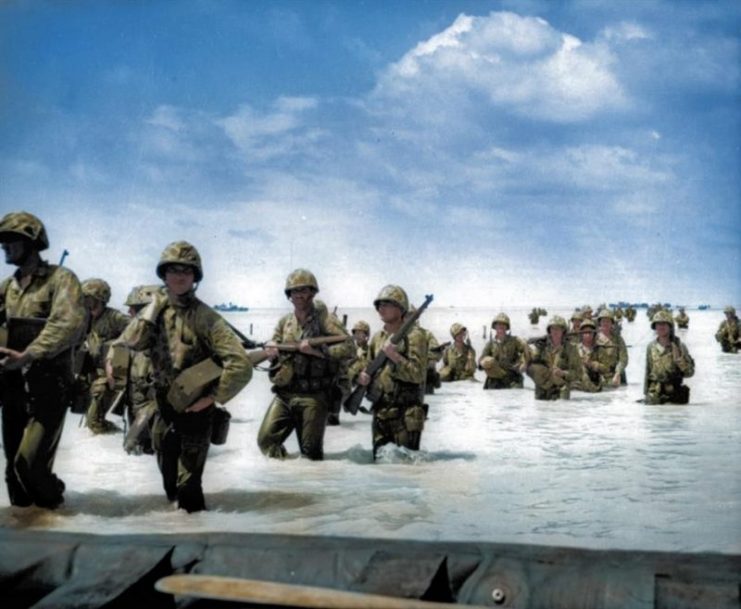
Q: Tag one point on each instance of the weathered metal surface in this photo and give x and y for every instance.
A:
(47, 569)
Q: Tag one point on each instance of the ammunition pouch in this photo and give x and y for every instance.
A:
(309, 374)
(22, 331)
(310, 385)
(282, 374)
(192, 384)
(220, 426)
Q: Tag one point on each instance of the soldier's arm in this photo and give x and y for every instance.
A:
(683, 360)
(622, 355)
(647, 374)
(233, 358)
(471, 361)
(340, 351)
(65, 320)
(411, 368)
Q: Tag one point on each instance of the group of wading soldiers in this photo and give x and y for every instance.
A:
(173, 362)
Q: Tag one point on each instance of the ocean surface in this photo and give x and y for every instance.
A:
(597, 471)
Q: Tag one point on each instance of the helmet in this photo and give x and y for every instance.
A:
(23, 224)
(300, 278)
(180, 252)
(141, 295)
(662, 317)
(456, 329)
(395, 294)
(502, 318)
(361, 326)
(577, 316)
(98, 289)
(730, 310)
(558, 322)
(588, 325)
(606, 313)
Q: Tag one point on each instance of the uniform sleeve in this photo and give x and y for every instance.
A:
(525, 353)
(341, 351)
(684, 362)
(622, 355)
(647, 374)
(576, 368)
(66, 319)
(3, 290)
(412, 368)
(471, 361)
(237, 366)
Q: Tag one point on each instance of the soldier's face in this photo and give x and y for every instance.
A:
(361, 338)
(500, 329)
(301, 297)
(179, 279)
(587, 338)
(16, 252)
(663, 329)
(556, 333)
(389, 312)
(605, 324)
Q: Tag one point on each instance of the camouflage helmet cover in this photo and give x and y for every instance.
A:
(729, 310)
(300, 278)
(662, 316)
(501, 318)
(395, 294)
(98, 289)
(361, 326)
(588, 325)
(558, 322)
(180, 252)
(23, 224)
(606, 314)
(456, 329)
(577, 315)
(141, 295)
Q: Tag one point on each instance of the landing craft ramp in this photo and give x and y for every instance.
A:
(68, 570)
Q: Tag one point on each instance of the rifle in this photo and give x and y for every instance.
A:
(247, 343)
(259, 356)
(441, 347)
(355, 399)
(65, 253)
(117, 405)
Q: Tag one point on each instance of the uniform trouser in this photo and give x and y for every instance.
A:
(304, 413)
(398, 425)
(667, 393)
(33, 415)
(511, 380)
(181, 446)
(101, 397)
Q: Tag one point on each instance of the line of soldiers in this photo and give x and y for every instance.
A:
(174, 361)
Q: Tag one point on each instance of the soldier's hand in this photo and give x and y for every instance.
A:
(201, 404)
(390, 350)
(364, 379)
(557, 372)
(616, 380)
(13, 360)
(272, 350)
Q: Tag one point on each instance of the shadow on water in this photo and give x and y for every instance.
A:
(258, 501)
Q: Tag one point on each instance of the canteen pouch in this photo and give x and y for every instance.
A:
(191, 384)
(220, 426)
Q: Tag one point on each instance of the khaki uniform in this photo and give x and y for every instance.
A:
(398, 414)
(35, 399)
(591, 380)
(358, 364)
(508, 356)
(303, 386)
(666, 367)
(179, 332)
(612, 357)
(728, 335)
(103, 330)
(544, 361)
(682, 320)
(458, 365)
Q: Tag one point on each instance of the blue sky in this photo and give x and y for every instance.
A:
(492, 153)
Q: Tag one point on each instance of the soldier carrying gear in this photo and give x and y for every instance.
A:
(555, 363)
(504, 358)
(729, 332)
(591, 380)
(682, 319)
(361, 326)
(37, 374)
(396, 390)
(459, 358)
(106, 324)
(668, 362)
(180, 332)
(612, 353)
(304, 382)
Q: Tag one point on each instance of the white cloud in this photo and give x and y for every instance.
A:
(626, 31)
(520, 64)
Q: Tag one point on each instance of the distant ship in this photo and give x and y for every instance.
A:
(231, 307)
(702, 307)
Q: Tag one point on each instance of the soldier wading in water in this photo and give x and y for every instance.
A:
(41, 309)
(181, 333)
(303, 381)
